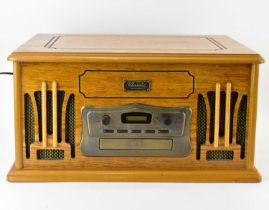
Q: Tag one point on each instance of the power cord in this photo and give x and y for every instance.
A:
(6, 73)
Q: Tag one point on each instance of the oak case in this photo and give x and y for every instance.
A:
(217, 81)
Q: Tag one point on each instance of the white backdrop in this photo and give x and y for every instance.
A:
(243, 20)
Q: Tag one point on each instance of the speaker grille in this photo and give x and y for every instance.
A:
(201, 125)
(49, 112)
(211, 98)
(70, 123)
(219, 155)
(234, 96)
(60, 99)
(241, 125)
(29, 123)
(50, 154)
(222, 113)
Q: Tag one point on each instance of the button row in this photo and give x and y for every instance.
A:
(134, 131)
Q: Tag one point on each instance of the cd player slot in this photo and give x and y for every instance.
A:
(135, 144)
(163, 131)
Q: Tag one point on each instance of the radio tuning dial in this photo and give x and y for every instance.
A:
(106, 119)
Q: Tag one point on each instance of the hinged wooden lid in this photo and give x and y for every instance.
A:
(133, 48)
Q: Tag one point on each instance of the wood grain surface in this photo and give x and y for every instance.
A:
(134, 48)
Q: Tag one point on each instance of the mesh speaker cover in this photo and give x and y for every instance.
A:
(50, 154)
(29, 123)
(70, 124)
(241, 125)
(60, 100)
(219, 155)
(201, 124)
(49, 113)
(222, 113)
(234, 96)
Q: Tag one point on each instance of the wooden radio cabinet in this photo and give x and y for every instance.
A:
(135, 108)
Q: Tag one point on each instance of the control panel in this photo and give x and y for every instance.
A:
(136, 130)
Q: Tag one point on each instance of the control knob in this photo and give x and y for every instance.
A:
(106, 119)
(167, 120)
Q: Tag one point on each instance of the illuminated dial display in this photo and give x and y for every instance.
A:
(136, 117)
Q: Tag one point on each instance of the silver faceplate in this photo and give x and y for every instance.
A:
(136, 139)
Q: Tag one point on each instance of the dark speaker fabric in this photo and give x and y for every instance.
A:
(201, 125)
(50, 154)
(29, 123)
(70, 124)
(219, 155)
(241, 125)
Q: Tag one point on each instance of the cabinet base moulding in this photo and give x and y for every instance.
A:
(23, 175)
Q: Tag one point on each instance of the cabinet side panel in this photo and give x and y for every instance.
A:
(18, 114)
(252, 115)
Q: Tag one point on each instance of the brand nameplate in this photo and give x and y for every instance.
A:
(136, 85)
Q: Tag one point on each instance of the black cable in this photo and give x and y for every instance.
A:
(6, 73)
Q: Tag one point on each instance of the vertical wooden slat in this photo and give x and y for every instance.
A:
(207, 121)
(252, 115)
(54, 113)
(217, 113)
(44, 114)
(17, 114)
(66, 97)
(227, 115)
